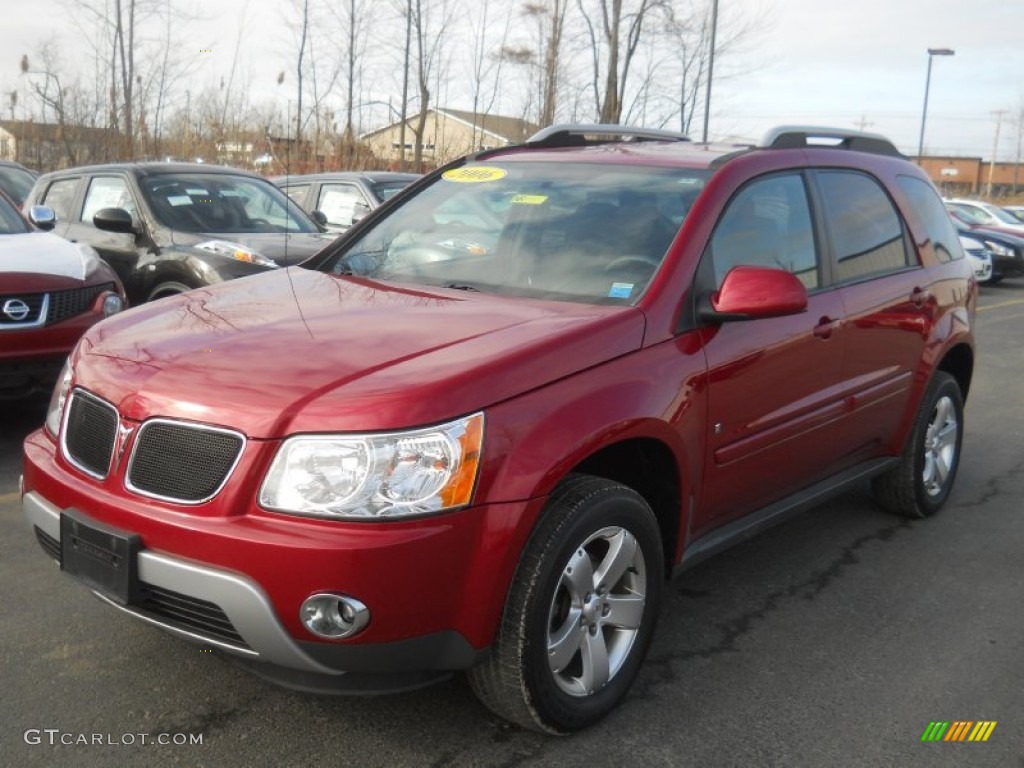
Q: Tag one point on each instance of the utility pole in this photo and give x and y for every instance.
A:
(863, 123)
(995, 148)
(711, 69)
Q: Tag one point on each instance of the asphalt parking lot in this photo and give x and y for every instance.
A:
(833, 640)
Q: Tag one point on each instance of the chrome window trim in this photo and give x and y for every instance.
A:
(188, 425)
(75, 392)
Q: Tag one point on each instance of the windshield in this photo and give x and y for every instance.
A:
(11, 222)
(385, 190)
(1004, 216)
(198, 202)
(580, 232)
(16, 182)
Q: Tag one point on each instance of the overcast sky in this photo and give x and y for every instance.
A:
(818, 62)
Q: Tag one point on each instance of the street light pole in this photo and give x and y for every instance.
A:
(927, 84)
(711, 69)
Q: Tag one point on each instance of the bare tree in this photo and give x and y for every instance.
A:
(486, 62)
(614, 29)
(430, 20)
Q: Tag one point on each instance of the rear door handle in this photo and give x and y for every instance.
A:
(825, 326)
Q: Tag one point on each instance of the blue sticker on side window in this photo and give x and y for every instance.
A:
(620, 290)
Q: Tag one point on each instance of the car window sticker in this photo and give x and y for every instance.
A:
(474, 173)
(620, 290)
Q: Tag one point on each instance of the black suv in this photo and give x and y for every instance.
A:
(166, 228)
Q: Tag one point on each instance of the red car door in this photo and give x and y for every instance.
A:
(775, 405)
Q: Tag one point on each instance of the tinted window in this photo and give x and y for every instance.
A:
(385, 190)
(928, 207)
(107, 192)
(297, 192)
(866, 230)
(209, 202)
(340, 203)
(60, 197)
(10, 222)
(16, 182)
(768, 224)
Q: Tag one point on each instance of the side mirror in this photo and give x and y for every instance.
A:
(114, 220)
(318, 217)
(44, 217)
(750, 293)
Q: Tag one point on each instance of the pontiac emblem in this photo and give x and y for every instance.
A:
(16, 309)
(124, 433)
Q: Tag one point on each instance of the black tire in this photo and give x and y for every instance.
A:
(584, 520)
(164, 290)
(922, 481)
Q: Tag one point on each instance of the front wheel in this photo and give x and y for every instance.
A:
(581, 611)
(919, 485)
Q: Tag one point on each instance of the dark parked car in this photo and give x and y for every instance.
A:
(344, 197)
(166, 228)
(1007, 250)
(51, 291)
(402, 460)
(15, 180)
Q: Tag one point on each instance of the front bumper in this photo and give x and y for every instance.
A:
(235, 582)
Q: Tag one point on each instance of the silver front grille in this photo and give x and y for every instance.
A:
(182, 462)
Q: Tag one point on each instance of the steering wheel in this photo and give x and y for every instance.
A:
(632, 259)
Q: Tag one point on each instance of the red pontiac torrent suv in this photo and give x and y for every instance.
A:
(479, 431)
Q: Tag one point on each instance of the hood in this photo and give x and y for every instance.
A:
(284, 249)
(294, 350)
(41, 253)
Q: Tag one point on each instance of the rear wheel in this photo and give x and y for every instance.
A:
(581, 610)
(922, 481)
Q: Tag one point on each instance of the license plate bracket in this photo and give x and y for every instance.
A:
(101, 556)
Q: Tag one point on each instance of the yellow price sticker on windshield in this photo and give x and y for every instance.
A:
(529, 199)
(474, 173)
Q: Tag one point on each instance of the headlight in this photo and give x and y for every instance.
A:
(237, 252)
(998, 248)
(112, 304)
(60, 395)
(359, 477)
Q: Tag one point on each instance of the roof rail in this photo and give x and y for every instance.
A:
(800, 136)
(575, 134)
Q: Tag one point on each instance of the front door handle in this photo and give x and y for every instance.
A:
(825, 326)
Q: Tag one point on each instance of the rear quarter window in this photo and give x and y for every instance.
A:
(867, 232)
(933, 215)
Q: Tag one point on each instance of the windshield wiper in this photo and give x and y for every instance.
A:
(462, 287)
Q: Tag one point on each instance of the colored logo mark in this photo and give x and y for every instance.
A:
(959, 730)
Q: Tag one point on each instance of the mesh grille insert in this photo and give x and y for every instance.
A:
(182, 462)
(90, 433)
(65, 304)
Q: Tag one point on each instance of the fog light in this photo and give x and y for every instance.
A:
(112, 304)
(334, 616)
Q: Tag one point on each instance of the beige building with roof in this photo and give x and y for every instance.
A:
(447, 135)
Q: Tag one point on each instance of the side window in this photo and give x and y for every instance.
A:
(107, 192)
(340, 203)
(60, 196)
(866, 230)
(768, 224)
(297, 192)
(929, 208)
